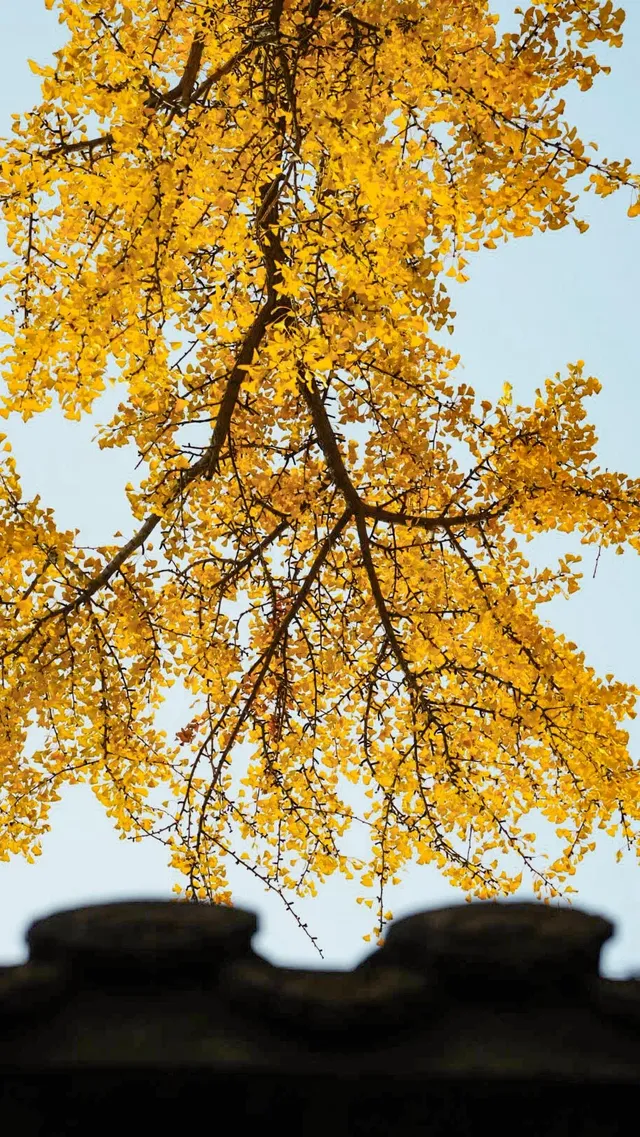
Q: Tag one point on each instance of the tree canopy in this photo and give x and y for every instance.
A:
(246, 214)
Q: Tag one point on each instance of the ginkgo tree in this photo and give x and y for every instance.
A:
(246, 214)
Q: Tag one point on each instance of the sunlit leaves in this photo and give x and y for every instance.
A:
(249, 215)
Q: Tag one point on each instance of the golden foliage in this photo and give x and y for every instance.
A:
(248, 212)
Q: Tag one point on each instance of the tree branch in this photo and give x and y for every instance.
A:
(89, 144)
(342, 480)
(329, 446)
(268, 655)
(183, 90)
(382, 610)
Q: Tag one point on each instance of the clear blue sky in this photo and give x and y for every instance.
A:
(528, 309)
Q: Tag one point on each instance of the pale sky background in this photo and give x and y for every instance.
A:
(528, 309)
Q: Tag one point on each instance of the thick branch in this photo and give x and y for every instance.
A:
(208, 464)
(205, 466)
(98, 582)
(338, 470)
(183, 90)
(381, 607)
(443, 521)
(110, 569)
(329, 446)
(89, 144)
(275, 307)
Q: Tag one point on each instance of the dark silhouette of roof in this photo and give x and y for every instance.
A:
(145, 1016)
